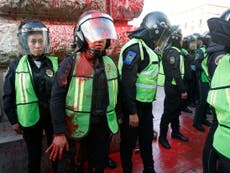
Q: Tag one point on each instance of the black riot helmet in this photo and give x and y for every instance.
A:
(176, 33)
(226, 15)
(176, 36)
(198, 39)
(154, 30)
(187, 41)
(220, 29)
(29, 28)
(93, 26)
(206, 38)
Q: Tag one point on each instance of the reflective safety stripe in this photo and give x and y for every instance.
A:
(181, 65)
(26, 98)
(78, 105)
(228, 97)
(145, 86)
(150, 73)
(219, 99)
(147, 78)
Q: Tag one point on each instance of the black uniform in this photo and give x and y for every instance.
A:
(97, 139)
(203, 88)
(42, 85)
(192, 87)
(210, 157)
(143, 132)
(172, 103)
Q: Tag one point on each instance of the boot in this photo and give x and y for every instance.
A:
(149, 170)
(110, 163)
(154, 135)
(178, 135)
(163, 137)
(198, 127)
(96, 170)
(164, 142)
(127, 170)
(207, 123)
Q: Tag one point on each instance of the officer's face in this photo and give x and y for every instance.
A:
(97, 45)
(36, 44)
(191, 45)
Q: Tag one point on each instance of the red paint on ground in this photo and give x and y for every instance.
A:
(183, 157)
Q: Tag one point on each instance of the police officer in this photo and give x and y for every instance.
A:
(203, 86)
(188, 50)
(138, 67)
(217, 140)
(214, 53)
(27, 90)
(84, 97)
(188, 58)
(175, 90)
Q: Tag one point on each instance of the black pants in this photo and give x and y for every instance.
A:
(223, 164)
(172, 110)
(202, 105)
(144, 133)
(33, 139)
(213, 161)
(93, 147)
(210, 156)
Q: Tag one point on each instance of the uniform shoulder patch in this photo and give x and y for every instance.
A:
(129, 57)
(172, 60)
(217, 59)
(197, 56)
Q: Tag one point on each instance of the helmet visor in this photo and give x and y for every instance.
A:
(34, 41)
(162, 41)
(98, 29)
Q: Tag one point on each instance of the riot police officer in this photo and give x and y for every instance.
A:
(138, 67)
(175, 90)
(27, 90)
(84, 97)
(217, 142)
(202, 84)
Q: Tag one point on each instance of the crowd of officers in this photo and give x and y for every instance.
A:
(86, 98)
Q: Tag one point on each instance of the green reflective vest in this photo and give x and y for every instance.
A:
(204, 74)
(26, 99)
(181, 65)
(204, 65)
(146, 83)
(161, 75)
(219, 98)
(79, 97)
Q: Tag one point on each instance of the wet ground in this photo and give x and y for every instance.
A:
(183, 157)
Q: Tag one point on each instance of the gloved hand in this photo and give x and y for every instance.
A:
(56, 148)
(133, 120)
(17, 128)
(184, 95)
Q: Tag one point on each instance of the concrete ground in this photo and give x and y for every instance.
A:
(181, 158)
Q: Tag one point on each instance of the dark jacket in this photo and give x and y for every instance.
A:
(42, 86)
(129, 77)
(61, 87)
(215, 52)
(171, 66)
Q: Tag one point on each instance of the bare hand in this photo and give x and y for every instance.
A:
(134, 120)
(56, 148)
(184, 95)
(17, 128)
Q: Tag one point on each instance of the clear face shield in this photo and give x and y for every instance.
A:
(34, 41)
(99, 29)
(162, 41)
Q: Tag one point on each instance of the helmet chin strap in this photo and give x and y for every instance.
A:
(94, 53)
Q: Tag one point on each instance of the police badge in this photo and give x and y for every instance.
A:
(172, 60)
(49, 73)
(217, 59)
